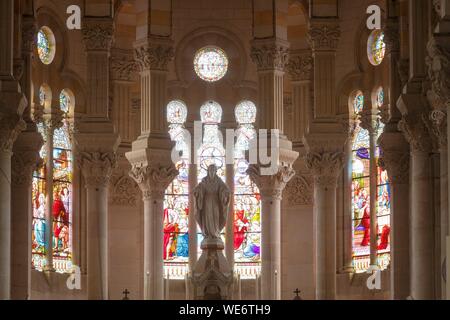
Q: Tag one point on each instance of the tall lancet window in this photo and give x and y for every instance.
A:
(176, 200)
(52, 189)
(211, 150)
(247, 209)
(362, 175)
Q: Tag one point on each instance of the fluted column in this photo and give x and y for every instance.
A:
(271, 188)
(153, 177)
(150, 158)
(96, 143)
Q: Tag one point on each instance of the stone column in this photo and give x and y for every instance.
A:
(12, 106)
(421, 220)
(395, 160)
(326, 167)
(96, 143)
(229, 230)
(24, 162)
(193, 246)
(150, 158)
(271, 188)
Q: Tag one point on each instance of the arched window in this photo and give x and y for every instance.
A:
(361, 181)
(52, 193)
(247, 208)
(376, 48)
(176, 200)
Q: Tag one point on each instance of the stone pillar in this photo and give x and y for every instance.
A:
(12, 106)
(96, 143)
(324, 142)
(395, 160)
(271, 188)
(150, 158)
(153, 178)
(229, 230)
(421, 219)
(193, 246)
(326, 167)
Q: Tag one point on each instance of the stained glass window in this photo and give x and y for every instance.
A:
(358, 104)
(211, 63)
(361, 177)
(57, 217)
(376, 48)
(46, 45)
(176, 200)
(380, 97)
(65, 100)
(247, 207)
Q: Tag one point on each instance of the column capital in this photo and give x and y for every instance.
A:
(326, 166)
(153, 171)
(23, 164)
(438, 120)
(271, 186)
(98, 34)
(96, 167)
(416, 132)
(300, 190)
(323, 35)
(300, 66)
(270, 54)
(438, 63)
(395, 157)
(122, 65)
(154, 53)
(11, 125)
(29, 31)
(370, 120)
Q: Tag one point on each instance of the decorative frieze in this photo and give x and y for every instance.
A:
(270, 54)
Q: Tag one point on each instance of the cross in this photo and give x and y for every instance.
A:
(126, 293)
(297, 292)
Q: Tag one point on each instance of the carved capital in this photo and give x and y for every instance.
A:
(370, 120)
(416, 133)
(10, 128)
(154, 54)
(96, 167)
(438, 63)
(300, 66)
(325, 166)
(122, 65)
(23, 164)
(300, 191)
(123, 191)
(324, 36)
(29, 31)
(270, 54)
(271, 186)
(438, 119)
(153, 180)
(98, 34)
(395, 157)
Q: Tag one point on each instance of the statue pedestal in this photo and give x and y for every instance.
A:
(212, 277)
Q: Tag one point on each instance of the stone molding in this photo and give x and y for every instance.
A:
(154, 54)
(98, 34)
(300, 191)
(96, 167)
(153, 180)
(122, 65)
(300, 66)
(324, 36)
(271, 186)
(270, 54)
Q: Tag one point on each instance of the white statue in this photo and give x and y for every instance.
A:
(212, 198)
